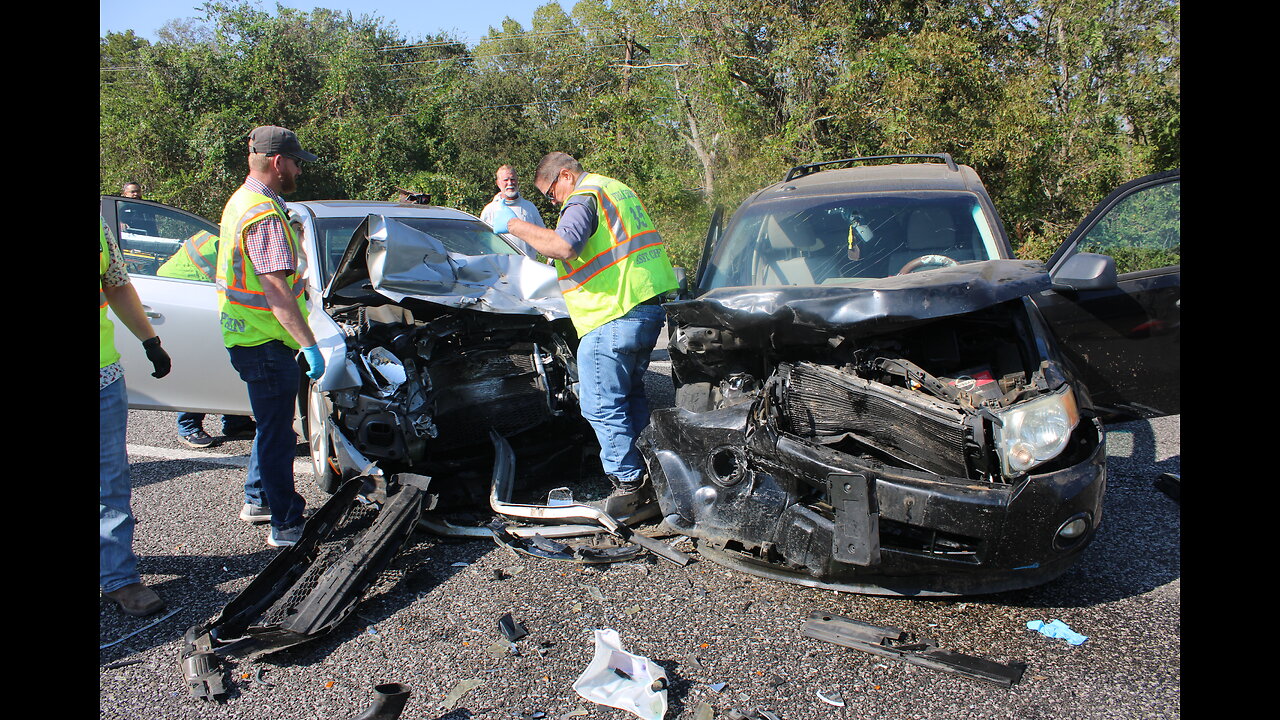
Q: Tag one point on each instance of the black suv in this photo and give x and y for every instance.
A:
(873, 395)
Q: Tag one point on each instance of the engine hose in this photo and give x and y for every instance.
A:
(388, 702)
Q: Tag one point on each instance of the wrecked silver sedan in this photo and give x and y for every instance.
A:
(869, 398)
(435, 334)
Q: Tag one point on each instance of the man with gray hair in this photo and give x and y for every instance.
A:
(509, 196)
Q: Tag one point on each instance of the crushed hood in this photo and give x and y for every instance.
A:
(873, 304)
(399, 262)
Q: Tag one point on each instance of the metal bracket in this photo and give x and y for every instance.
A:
(896, 643)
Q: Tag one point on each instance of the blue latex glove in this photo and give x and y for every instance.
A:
(1057, 629)
(315, 361)
(501, 217)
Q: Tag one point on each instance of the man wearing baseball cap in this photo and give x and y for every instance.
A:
(264, 323)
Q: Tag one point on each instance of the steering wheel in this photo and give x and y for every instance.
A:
(927, 260)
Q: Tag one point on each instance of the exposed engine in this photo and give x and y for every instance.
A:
(432, 389)
(925, 397)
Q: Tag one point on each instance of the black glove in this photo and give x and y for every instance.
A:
(158, 357)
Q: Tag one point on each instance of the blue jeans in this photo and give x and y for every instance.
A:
(189, 422)
(117, 565)
(612, 360)
(272, 375)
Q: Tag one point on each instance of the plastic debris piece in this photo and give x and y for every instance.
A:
(619, 679)
(460, 564)
(632, 610)
(717, 687)
(832, 697)
(595, 592)
(704, 711)
(500, 648)
(462, 688)
(511, 629)
(257, 678)
(767, 715)
(560, 496)
(1056, 629)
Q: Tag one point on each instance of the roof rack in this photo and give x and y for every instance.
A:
(802, 170)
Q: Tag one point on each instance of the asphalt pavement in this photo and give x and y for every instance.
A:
(728, 642)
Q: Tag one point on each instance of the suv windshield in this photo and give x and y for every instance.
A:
(466, 237)
(821, 240)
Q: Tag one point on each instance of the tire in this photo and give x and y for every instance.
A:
(323, 458)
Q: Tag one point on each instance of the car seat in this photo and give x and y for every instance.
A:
(930, 231)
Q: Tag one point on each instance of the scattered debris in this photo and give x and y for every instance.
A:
(462, 688)
(257, 678)
(141, 629)
(717, 687)
(619, 679)
(120, 664)
(511, 629)
(704, 711)
(753, 714)
(832, 697)
(388, 702)
(694, 663)
(1170, 484)
(896, 643)
(1056, 629)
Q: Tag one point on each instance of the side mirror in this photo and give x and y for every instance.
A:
(1086, 271)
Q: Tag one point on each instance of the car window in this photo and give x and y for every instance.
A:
(466, 237)
(150, 235)
(826, 240)
(1142, 231)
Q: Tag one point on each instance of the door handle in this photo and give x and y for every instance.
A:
(146, 310)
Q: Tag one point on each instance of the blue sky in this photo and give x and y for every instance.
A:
(413, 18)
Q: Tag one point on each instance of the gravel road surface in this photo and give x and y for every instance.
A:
(728, 641)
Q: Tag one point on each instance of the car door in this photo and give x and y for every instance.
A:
(1125, 340)
(183, 312)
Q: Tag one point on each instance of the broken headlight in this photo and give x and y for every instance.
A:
(1035, 431)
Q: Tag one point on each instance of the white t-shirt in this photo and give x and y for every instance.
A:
(524, 210)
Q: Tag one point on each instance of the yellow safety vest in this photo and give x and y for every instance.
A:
(247, 319)
(622, 264)
(107, 353)
(195, 260)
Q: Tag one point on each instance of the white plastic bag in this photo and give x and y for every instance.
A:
(633, 690)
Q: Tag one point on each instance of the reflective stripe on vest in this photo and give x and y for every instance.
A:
(195, 260)
(246, 316)
(622, 264)
(238, 291)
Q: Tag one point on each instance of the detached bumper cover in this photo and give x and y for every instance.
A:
(777, 506)
(309, 588)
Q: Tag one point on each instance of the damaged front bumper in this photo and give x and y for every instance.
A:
(778, 506)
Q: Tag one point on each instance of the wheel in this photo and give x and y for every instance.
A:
(926, 262)
(324, 462)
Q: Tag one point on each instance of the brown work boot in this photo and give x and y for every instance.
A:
(137, 599)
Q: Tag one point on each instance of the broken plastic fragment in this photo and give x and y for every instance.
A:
(1056, 629)
(717, 687)
(560, 496)
(704, 712)
(832, 698)
(462, 688)
(631, 689)
(511, 629)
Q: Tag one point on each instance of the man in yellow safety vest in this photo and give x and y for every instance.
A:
(613, 271)
(264, 323)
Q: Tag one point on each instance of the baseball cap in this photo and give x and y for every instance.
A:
(271, 139)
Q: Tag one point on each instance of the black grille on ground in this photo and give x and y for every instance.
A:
(822, 402)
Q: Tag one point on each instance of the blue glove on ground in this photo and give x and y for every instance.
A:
(501, 217)
(315, 361)
(1056, 629)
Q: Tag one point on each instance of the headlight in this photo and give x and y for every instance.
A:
(1035, 431)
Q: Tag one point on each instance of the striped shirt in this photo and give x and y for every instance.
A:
(266, 242)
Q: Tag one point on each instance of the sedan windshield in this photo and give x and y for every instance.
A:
(466, 237)
(829, 240)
